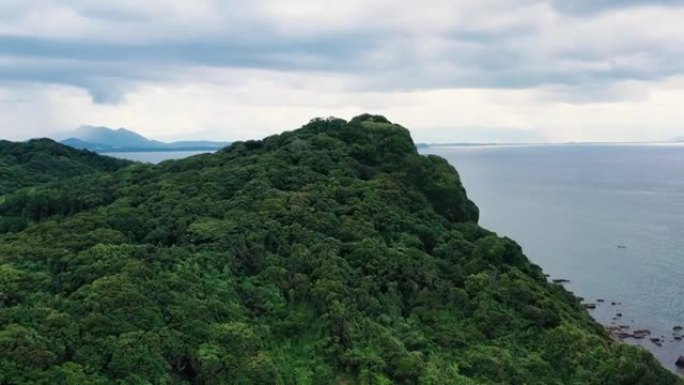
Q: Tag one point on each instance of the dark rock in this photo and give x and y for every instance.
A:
(560, 280)
(590, 305)
(641, 333)
(677, 328)
(613, 303)
(600, 300)
(680, 362)
(677, 338)
(618, 315)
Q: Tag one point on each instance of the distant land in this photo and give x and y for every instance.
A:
(481, 144)
(461, 144)
(104, 139)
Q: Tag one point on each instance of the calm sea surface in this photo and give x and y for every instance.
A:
(571, 206)
(153, 156)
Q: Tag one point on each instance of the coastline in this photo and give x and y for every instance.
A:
(665, 342)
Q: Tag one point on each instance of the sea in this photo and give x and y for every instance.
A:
(607, 217)
(153, 156)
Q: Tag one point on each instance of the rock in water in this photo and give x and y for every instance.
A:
(680, 362)
(642, 333)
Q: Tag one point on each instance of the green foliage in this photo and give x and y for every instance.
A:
(333, 254)
(41, 161)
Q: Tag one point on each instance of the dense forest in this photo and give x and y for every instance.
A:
(41, 161)
(332, 254)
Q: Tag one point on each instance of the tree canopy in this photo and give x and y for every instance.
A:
(40, 161)
(332, 254)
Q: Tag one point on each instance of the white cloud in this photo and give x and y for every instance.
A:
(235, 70)
(244, 104)
(617, 32)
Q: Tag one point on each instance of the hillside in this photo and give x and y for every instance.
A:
(103, 139)
(333, 254)
(39, 161)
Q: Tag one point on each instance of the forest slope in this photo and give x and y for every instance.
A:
(333, 254)
(38, 161)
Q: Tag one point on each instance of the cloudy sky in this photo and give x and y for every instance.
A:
(449, 70)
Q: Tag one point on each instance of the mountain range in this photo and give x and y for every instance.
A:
(104, 139)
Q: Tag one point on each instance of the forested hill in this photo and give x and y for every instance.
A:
(333, 254)
(43, 160)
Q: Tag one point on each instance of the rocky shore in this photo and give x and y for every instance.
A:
(627, 331)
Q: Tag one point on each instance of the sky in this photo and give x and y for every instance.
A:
(448, 70)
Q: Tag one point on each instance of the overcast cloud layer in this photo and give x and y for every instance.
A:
(503, 70)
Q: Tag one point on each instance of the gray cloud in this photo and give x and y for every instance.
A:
(108, 70)
(380, 57)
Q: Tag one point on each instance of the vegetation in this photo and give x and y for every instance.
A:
(333, 254)
(40, 161)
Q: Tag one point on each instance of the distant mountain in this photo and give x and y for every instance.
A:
(104, 139)
(464, 144)
(82, 144)
(114, 138)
